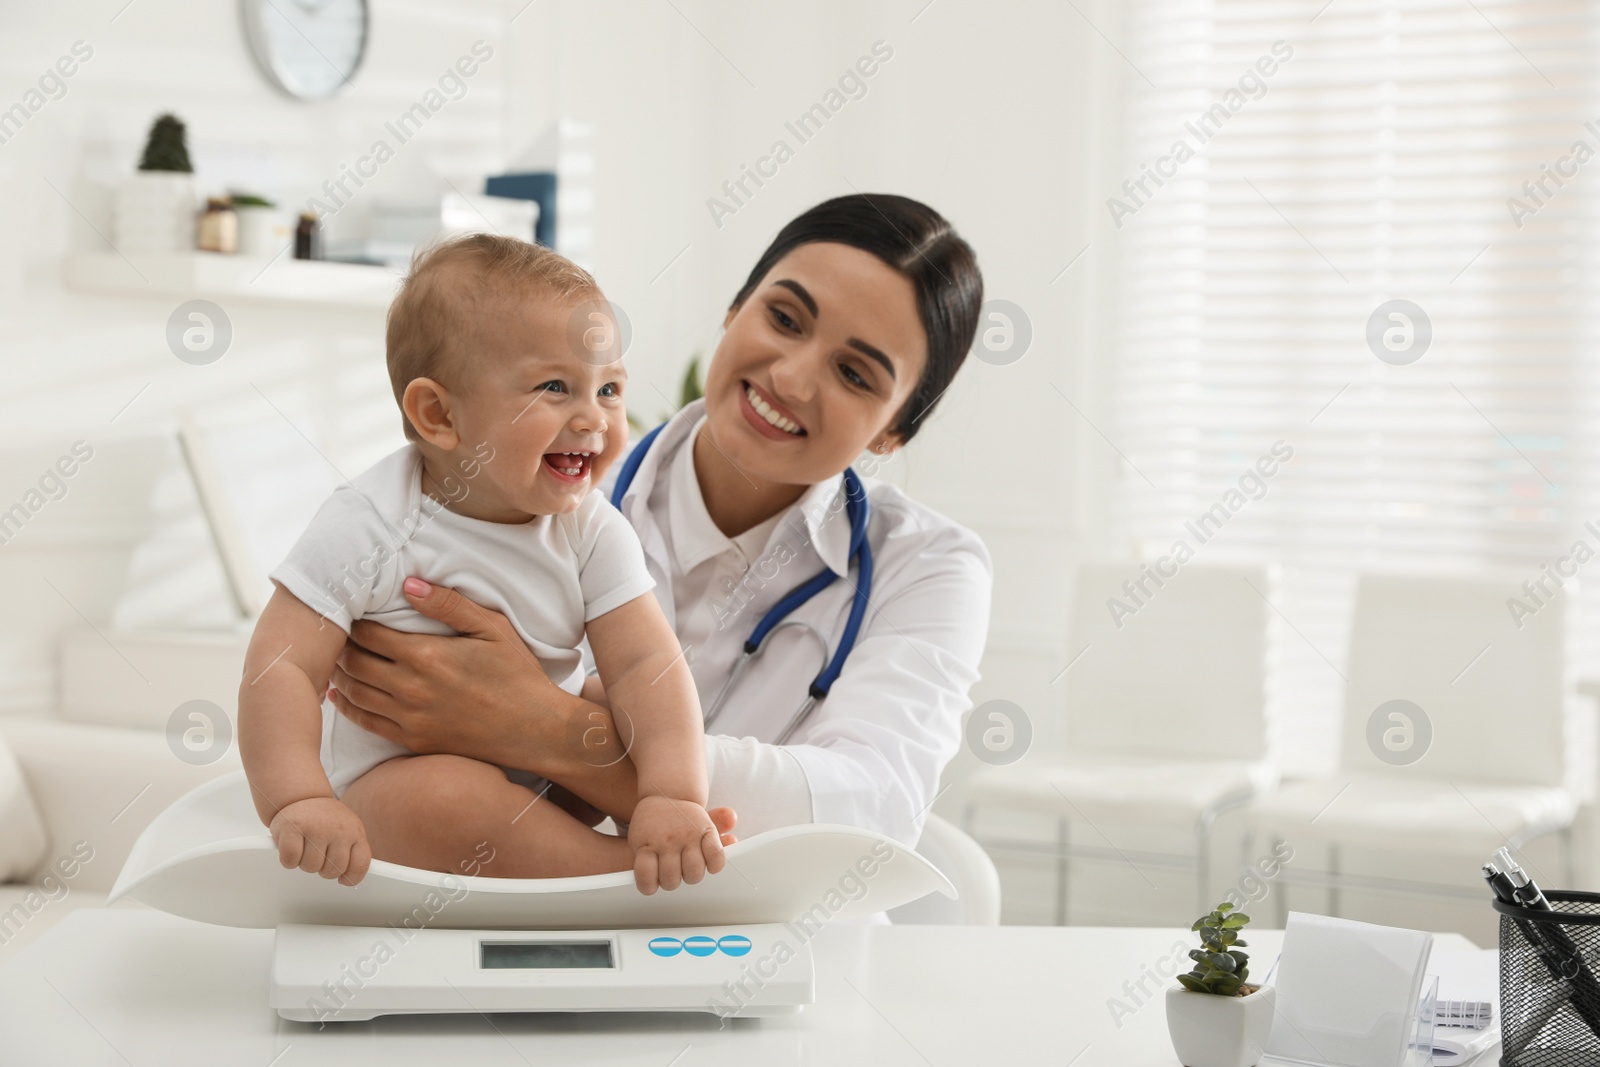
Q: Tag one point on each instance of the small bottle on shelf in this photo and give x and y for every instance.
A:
(308, 237)
(219, 227)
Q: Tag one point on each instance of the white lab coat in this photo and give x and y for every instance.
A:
(872, 753)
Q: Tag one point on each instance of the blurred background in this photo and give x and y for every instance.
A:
(1278, 428)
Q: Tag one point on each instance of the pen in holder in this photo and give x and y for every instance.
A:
(1549, 996)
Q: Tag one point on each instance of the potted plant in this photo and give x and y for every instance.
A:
(263, 230)
(1216, 1017)
(155, 208)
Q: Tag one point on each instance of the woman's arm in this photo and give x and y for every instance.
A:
(763, 783)
(873, 752)
(413, 689)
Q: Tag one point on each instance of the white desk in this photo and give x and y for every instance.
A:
(132, 987)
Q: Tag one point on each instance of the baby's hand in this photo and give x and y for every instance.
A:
(323, 836)
(673, 841)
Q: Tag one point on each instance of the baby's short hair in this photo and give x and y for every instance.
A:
(454, 279)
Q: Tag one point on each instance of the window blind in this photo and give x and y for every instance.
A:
(1386, 150)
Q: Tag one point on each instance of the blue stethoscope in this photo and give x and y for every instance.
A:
(857, 508)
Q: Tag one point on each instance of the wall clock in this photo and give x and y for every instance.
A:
(308, 48)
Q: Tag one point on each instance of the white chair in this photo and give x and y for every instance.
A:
(1167, 715)
(1498, 701)
(968, 867)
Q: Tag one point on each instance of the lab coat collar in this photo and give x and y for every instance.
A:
(695, 538)
(827, 522)
(820, 511)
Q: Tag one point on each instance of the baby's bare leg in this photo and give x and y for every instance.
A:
(434, 813)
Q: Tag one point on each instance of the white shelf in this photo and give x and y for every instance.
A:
(187, 275)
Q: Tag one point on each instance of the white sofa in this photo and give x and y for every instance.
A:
(73, 799)
(76, 789)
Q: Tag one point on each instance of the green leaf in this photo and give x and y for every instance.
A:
(1191, 984)
(1222, 962)
(1224, 907)
(1234, 922)
(691, 389)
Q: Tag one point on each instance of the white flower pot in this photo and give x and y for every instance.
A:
(1212, 1031)
(154, 211)
(263, 231)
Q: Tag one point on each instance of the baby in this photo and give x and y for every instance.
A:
(504, 359)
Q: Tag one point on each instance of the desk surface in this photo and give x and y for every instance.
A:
(137, 987)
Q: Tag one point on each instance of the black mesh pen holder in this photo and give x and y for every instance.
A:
(1550, 982)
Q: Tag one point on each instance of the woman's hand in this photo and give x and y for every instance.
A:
(482, 694)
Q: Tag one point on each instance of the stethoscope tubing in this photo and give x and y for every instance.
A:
(777, 616)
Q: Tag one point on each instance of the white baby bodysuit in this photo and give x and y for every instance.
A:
(550, 576)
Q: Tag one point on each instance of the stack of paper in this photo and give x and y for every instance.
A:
(1466, 975)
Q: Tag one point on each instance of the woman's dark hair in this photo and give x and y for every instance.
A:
(915, 240)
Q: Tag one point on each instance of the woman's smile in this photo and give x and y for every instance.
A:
(766, 415)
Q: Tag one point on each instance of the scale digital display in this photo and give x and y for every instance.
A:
(546, 955)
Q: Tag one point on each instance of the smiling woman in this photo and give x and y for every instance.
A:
(847, 332)
(866, 373)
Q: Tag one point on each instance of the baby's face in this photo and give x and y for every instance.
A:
(544, 391)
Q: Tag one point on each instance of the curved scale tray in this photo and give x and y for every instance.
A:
(208, 858)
